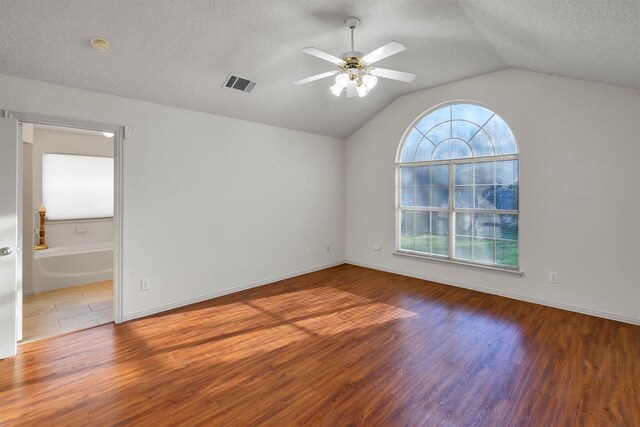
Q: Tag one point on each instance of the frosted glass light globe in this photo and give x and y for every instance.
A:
(370, 81)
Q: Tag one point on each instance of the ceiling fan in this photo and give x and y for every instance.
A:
(354, 71)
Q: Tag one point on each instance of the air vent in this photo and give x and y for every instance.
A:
(238, 83)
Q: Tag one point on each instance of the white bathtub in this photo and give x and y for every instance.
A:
(66, 266)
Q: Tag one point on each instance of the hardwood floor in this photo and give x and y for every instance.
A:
(343, 346)
(57, 312)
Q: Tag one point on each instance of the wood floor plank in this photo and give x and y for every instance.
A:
(342, 346)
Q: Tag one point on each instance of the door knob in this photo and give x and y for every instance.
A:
(5, 251)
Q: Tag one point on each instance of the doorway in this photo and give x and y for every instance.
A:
(67, 250)
(56, 289)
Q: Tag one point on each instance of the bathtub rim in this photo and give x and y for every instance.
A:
(81, 248)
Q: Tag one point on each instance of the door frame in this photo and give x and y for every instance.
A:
(121, 133)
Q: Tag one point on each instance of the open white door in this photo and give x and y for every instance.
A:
(9, 222)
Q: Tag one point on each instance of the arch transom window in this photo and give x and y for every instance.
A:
(458, 181)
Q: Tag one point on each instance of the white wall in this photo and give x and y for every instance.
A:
(27, 200)
(579, 190)
(210, 203)
(27, 218)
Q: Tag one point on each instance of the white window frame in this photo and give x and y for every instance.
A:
(451, 209)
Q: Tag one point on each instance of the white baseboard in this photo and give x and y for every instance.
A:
(205, 297)
(577, 309)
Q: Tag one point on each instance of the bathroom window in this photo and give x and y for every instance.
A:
(458, 188)
(77, 187)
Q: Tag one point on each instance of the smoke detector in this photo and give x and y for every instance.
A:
(100, 44)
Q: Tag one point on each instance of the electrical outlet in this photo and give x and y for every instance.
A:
(145, 284)
(377, 248)
(553, 277)
(307, 252)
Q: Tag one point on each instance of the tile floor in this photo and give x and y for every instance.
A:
(65, 310)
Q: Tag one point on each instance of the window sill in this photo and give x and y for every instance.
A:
(512, 271)
(82, 220)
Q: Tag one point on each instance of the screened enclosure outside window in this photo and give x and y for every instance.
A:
(458, 182)
(77, 187)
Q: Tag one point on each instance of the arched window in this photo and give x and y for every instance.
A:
(457, 193)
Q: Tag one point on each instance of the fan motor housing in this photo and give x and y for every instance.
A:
(352, 62)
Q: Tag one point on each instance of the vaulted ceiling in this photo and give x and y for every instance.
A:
(179, 52)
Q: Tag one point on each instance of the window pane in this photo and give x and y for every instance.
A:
(507, 226)
(464, 130)
(440, 133)
(440, 232)
(464, 173)
(481, 144)
(483, 225)
(484, 173)
(471, 112)
(463, 247)
(501, 135)
(422, 222)
(410, 144)
(407, 176)
(423, 229)
(463, 224)
(440, 197)
(423, 243)
(423, 196)
(485, 197)
(452, 149)
(507, 253)
(407, 239)
(423, 175)
(434, 118)
(407, 196)
(440, 245)
(441, 174)
(464, 197)
(425, 150)
(507, 172)
(440, 223)
(77, 187)
(483, 250)
(507, 197)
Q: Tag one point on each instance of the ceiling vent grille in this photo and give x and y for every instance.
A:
(238, 83)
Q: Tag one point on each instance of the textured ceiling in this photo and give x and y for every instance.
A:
(179, 52)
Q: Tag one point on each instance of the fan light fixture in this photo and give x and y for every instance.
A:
(354, 75)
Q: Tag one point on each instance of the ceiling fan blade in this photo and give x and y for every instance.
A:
(388, 49)
(314, 78)
(352, 89)
(393, 74)
(322, 55)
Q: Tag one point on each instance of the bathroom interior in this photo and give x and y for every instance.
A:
(68, 230)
